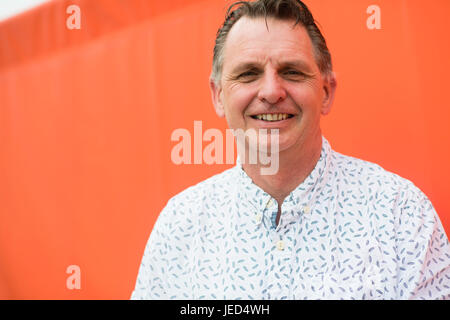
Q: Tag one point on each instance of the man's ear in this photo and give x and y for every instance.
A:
(216, 95)
(329, 87)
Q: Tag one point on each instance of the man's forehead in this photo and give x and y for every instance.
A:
(256, 40)
(247, 29)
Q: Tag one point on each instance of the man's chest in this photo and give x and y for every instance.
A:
(304, 259)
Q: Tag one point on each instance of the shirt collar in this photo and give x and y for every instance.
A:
(303, 195)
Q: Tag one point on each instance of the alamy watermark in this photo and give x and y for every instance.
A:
(374, 20)
(74, 20)
(74, 280)
(254, 146)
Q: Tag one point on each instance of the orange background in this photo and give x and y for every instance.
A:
(86, 118)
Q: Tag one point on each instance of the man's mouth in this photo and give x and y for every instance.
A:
(272, 116)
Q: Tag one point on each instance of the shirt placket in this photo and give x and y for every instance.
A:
(278, 269)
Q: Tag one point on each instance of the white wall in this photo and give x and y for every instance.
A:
(9, 8)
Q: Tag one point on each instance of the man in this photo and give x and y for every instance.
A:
(325, 225)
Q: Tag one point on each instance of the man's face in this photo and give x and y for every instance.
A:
(270, 71)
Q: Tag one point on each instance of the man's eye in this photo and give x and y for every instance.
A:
(247, 74)
(292, 72)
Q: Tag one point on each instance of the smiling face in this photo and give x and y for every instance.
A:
(270, 79)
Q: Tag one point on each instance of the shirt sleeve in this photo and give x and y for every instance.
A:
(423, 251)
(150, 283)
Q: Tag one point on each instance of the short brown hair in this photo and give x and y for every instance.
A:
(294, 10)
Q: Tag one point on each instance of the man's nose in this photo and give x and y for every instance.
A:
(271, 90)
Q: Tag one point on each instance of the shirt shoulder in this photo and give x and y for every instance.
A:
(386, 190)
(195, 204)
(214, 188)
(363, 172)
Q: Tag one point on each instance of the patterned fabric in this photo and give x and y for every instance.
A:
(351, 230)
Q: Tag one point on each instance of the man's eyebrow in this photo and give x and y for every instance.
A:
(298, 64)
(245, 66)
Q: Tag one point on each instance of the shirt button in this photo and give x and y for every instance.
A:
(258, 218)
(306, 209)
(270, 203)
(280, 245)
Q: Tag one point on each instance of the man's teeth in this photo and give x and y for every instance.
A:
(272, 116)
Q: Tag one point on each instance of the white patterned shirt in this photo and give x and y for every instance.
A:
(350, 230)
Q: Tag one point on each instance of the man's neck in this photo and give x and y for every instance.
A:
(294, 167)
